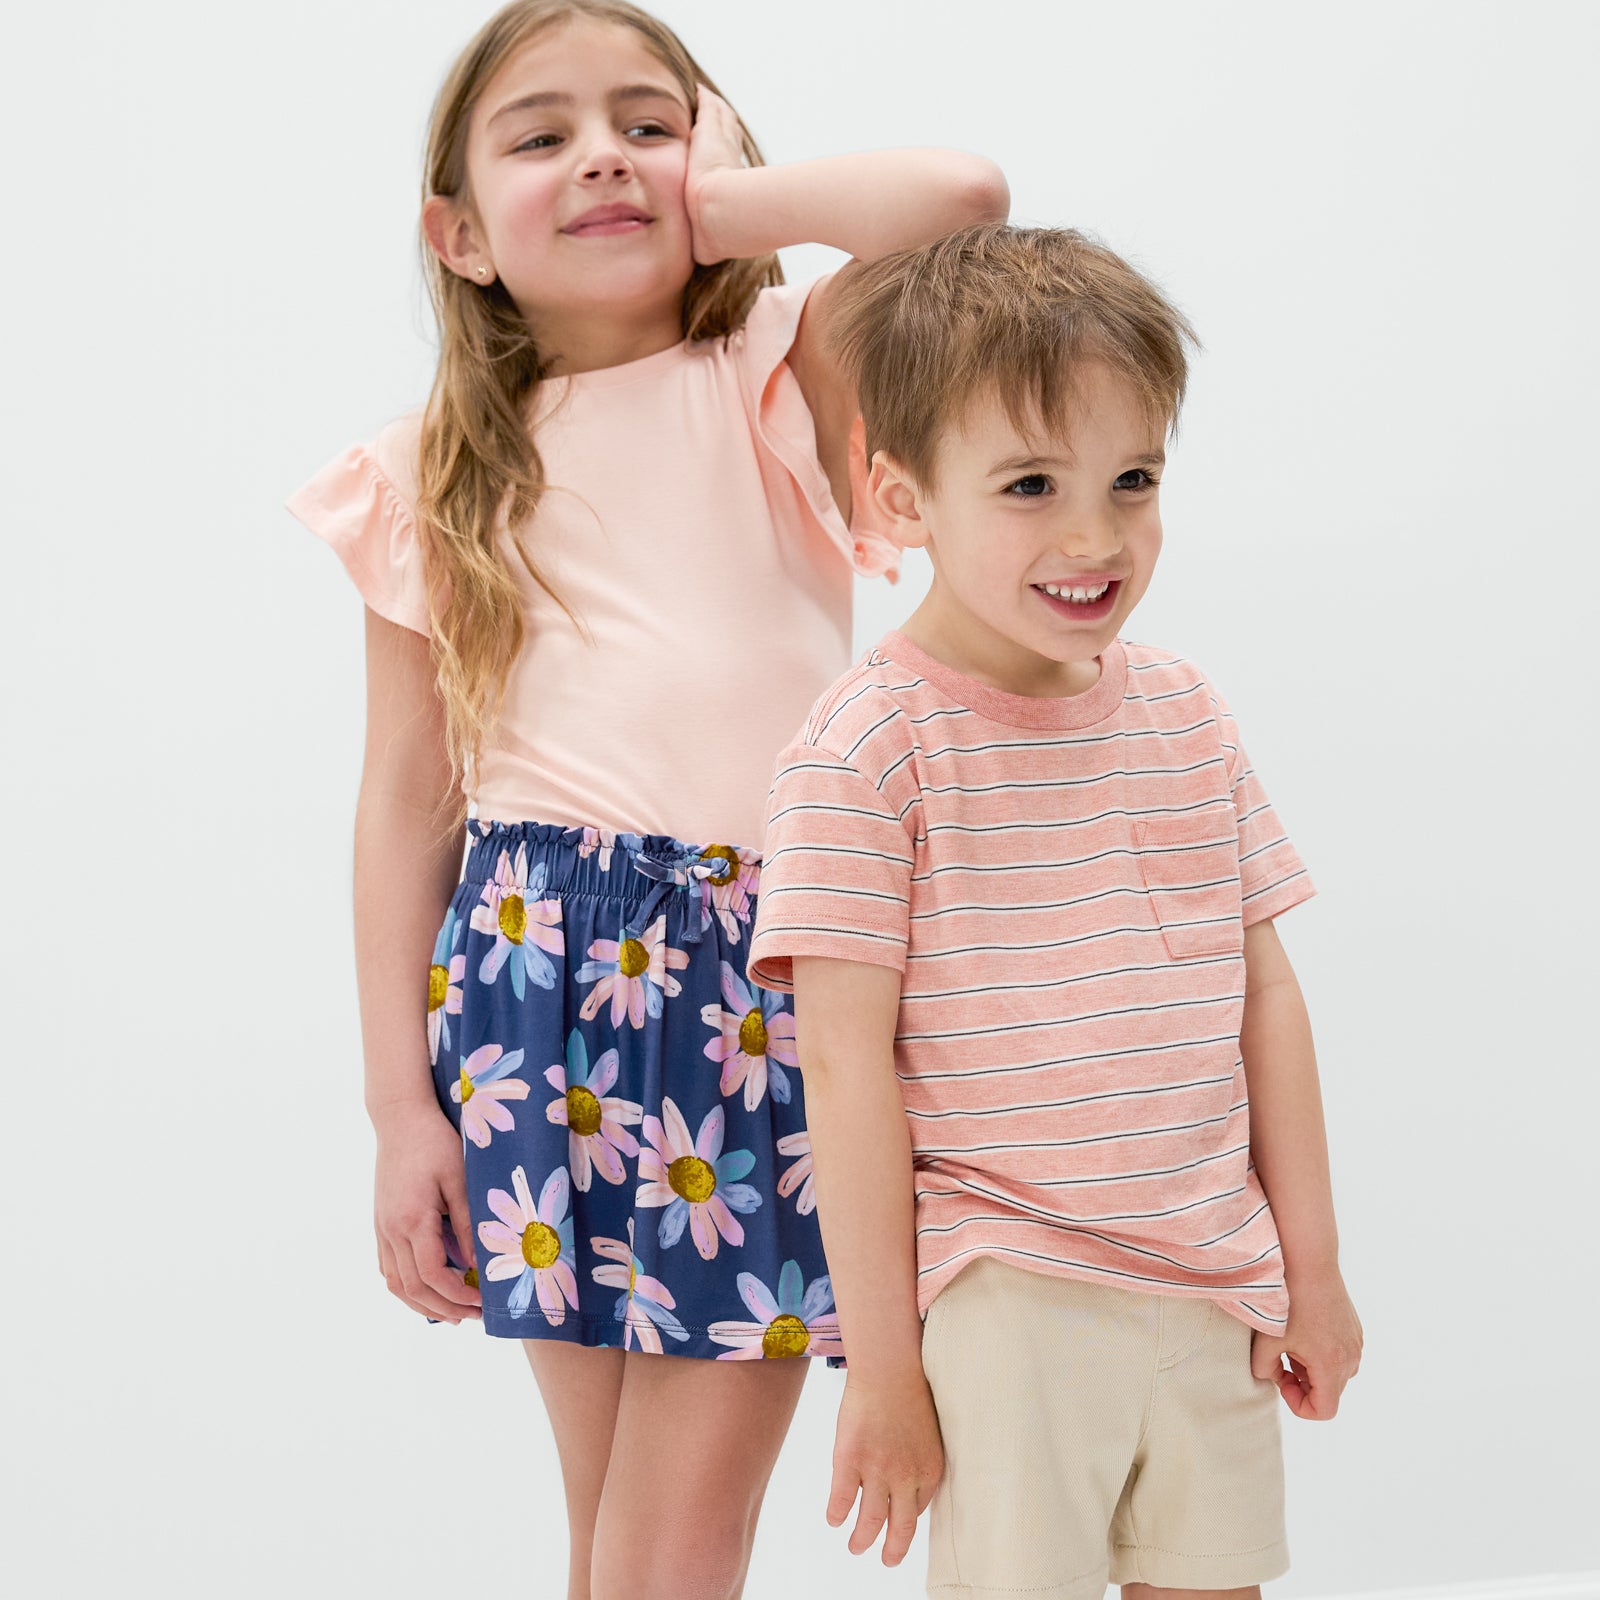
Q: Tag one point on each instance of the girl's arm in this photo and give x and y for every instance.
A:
(1289, 1145)
(406, 867)
(868, 205)
(887, 1441)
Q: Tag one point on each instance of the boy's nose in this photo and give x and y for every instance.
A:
(1091, 535)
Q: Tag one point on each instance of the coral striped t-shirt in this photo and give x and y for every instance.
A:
(1064, 884)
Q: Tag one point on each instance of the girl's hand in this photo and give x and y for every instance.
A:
(887, 1447)
(420, 1175)
(1322, 1345)
(715, 145)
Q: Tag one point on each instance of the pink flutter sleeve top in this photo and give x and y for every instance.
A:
(690, 527)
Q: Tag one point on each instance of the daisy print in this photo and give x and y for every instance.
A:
(634, 973)
(525, 925)
(799, 1320)
(694, 1180)
(755, 1039)
(597, 1126)
(534, 1245)
(481, 1089)
(730, 888)
(646, 1304)
(800, 1176)
(445, 976)
(601, 839)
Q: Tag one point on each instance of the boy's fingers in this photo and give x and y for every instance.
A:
(1266, 1356)
(869, 1522)
(903, 1510)
(842, 1495)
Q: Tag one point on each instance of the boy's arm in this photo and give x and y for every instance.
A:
(1289, 1145)
(887, 1442)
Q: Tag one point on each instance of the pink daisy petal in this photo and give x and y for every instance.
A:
(646, 1332)
(636, 1002)
(508, 1211)
(605, 950)
(485, 919)
(611, 1277)
(619, 998)
(503, 1267)
(756, 1084)
(475, 1127)
(613, 1250)
(618, 1138)
(578, 1160)
(678, 1141)
(655, 1194)
(566, 1281)
(649, 1288)
(556, 1077)
(505, 1089)
(550, 1300)
(519, 1183)
(652, 1169)
(780, 1026)
(704, 1230)
(605, 1159)
(727, 1224)
(556, 1112)
(656, 1137)
(501, 1239)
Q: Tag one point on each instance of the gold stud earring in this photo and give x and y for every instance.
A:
(483, 272)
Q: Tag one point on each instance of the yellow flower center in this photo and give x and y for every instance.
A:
(633, 1277)
(583, 1112)
(438, 986)
(467, 1090)
(694, 1179)
(632, 958)
(725, 854)
(470, 1278)
(785, 1336)
(541, 1244)
(753, 1033)
(513, 918)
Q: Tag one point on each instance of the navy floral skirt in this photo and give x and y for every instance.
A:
(638, 1168)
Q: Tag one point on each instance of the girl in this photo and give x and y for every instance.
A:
(607, 570)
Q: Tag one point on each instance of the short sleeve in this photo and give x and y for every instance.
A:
(836, 876)
(785, 427)
(354, 506)
(1272, 877)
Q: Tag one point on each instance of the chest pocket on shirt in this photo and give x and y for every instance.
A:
(1190, 867)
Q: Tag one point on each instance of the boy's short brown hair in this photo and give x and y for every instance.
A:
(1001, 309)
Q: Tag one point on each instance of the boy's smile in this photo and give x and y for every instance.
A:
(1041, 544)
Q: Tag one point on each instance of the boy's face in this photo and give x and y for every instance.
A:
(1041, 545)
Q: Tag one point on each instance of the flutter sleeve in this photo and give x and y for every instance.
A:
(785, 428)
(356, 507)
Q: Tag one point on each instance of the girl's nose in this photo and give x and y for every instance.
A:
(607, 159)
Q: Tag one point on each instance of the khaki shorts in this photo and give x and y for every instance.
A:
(1094, 1435)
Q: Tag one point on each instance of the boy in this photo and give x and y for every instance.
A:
(1021, 878)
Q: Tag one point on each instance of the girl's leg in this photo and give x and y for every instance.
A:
(581, 1389)
(694, 1447)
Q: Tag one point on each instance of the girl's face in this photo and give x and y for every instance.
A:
(576, 158)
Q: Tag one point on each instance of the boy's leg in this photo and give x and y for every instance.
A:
(1041, 1383)
(1148, 1591)
(1203, 1512)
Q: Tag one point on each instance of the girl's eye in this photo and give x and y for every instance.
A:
(651, 130)
(1136, 478)
(540, 141)
(1031, 487)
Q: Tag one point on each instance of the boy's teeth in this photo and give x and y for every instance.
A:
(1081, 596)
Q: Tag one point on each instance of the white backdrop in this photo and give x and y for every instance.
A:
(1380, 542)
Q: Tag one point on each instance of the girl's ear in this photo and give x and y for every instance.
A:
(453, 234)
(895, 496)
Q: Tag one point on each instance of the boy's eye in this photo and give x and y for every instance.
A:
(1030, 487)
(1135, 478)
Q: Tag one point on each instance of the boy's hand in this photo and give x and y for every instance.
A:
(714, 145)
(1322, 1345)
(886, 1446)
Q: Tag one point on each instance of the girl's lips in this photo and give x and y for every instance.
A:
(607, 220)
(1084, 610)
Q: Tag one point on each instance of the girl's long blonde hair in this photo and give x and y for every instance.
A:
(479, 462)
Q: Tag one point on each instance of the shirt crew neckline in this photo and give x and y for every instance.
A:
(623, 373)
(1020, 710)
